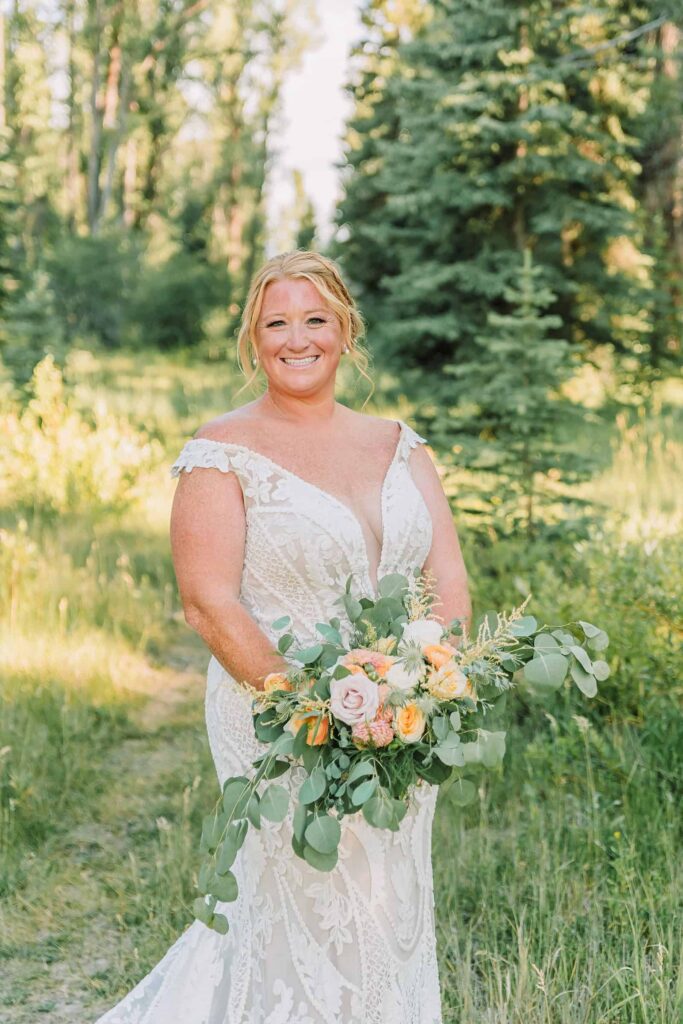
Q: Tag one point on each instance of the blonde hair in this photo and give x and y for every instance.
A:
(324, 274)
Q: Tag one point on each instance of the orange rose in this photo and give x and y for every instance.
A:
(276, 681)
(438, 654)
(410, 723)
(317, 727)
(448, 683)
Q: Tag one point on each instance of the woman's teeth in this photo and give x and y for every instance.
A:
(300, 362)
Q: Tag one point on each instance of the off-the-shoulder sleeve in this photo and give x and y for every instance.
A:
(202, 453)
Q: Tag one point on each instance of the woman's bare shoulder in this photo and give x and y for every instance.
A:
(237, 426)
(378, 428)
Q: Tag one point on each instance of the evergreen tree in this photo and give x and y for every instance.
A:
(510, 418)
(500, 141)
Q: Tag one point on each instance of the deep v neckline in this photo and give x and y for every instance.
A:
(342, 504)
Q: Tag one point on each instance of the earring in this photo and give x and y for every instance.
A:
(344, 350)
(254, 361)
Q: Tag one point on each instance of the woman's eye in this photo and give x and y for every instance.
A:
(275, 323)
(316, 320)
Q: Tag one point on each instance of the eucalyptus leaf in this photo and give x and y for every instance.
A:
(524, 626)
(320, 861)
(360, 769)
(236, 794)
(282, 622)
(309, 654)
(352, 607)
(219, 923)
(546, 671)
(581, 656)
(299, 821)
(364, 791)
(274, 803)
(224, 887)
(600, 670)
(201, 910)
(254, 810)
(323, 834)
(455, 720)
(545, 642)
(313, 787)
(441, 727)
(450, 751)
(589, 629)
(392, 585)
(584, 680)
(284, 643)
(599, 642)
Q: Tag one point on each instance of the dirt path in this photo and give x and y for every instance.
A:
(75, 937)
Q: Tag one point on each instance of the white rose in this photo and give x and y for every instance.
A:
(422, 632)
(354, 698)
(403, 678)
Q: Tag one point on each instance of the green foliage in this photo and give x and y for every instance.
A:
(56, 459)
(508, 416)
(171, 300)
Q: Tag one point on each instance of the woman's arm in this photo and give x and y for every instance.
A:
(207, 542)
(445, 561)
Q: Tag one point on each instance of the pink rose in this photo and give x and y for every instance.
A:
(354, 698)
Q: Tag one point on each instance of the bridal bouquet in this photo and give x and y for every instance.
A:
(365, 722)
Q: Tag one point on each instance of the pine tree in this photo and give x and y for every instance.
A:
(501, 140)
(509, 417)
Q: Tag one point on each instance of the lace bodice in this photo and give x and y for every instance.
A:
(302, 543)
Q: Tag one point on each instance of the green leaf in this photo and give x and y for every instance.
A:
(599, 642)
(313, 787)
(352, 607)
(212, 830)
(283, 621)
(589, 629)
(455, 720)
(581, 656)
(309, 654)
(254, 810)
(219, 923)
(584, 680)
(545, 642)
(299, 820)
(203, 878)
(236, 794)
(283, 745)
(224, 887)
(463, 792)
(547, 671)
(320, 861)
(522, 627)
(566, 638)
(284, 643)
(441, 727)
(364, 791)
(392, 585)
(274, 803)
(330, 634)
(382, 811)
(323, 834)
(201, 910)
(275, 769)
(449, 750)
(360, 769)
(600, 670)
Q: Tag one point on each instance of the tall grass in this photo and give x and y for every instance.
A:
(558, 893)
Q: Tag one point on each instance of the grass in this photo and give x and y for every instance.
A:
(558, 892)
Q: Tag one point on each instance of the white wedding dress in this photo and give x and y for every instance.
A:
(355, 945)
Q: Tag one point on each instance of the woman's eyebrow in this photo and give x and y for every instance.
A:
(318, 309)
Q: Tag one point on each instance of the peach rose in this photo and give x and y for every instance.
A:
(438, 654)
(448, 683)
(317, 727)
(410, 723)
(361, 656)
(276, 681)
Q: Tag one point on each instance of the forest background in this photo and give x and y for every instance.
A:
(511, 224)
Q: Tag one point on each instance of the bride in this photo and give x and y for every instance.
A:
(296, 492)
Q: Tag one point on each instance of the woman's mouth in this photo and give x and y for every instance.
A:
(298, 362)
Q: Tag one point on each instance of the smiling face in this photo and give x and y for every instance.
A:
(298, 338)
